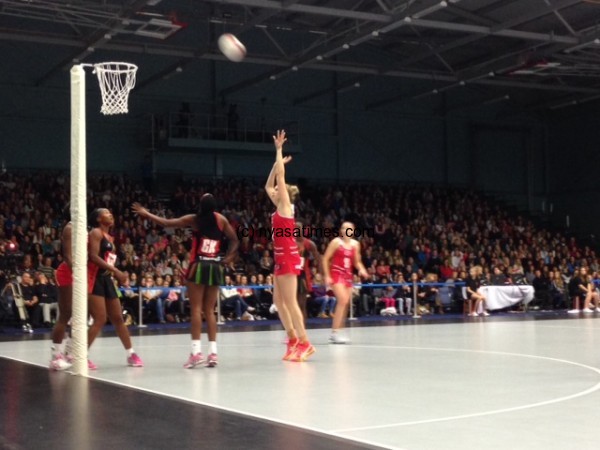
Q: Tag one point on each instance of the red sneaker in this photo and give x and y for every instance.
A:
(302, 352)
(291, 348)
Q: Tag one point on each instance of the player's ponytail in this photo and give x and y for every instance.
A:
(206, 208)
(293, 192)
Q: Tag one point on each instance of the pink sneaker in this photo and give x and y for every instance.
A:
(290, 349)
(134, 361)
(212, 360)
(58, 362)
(91, 365)
(193, 361)
(302, 351)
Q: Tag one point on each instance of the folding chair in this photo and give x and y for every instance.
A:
(5, 304)
(20, 305)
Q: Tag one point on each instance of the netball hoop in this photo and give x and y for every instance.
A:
(116, 81)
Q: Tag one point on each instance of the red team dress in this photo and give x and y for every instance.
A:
(287, 259)
(342, 263)
(64, 275)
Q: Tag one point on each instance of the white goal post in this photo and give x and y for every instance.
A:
(116, 81)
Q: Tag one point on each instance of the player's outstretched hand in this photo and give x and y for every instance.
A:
(279, 139)
(139, 209)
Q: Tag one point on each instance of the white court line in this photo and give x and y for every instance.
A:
(238, 412)
(569, 327)
(484, 413)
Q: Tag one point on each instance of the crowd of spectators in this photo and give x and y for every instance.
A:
(414, 233)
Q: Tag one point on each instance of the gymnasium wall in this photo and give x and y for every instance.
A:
(574, 159)
(446, 138)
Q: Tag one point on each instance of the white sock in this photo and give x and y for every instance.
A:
(196, 346)
(212, 345)
(130, 351)
(55, 350)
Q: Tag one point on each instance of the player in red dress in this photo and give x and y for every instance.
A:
(306, 248)
(287, 259)
(64, 281)
(340, 258)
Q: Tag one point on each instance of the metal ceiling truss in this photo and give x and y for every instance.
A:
(480, 31)
(97, 38)
(90, 15)
(334, 46)
(351, 28)
(204, 51)
(500, 29)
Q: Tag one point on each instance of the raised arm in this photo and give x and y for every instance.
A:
(278, 140)
(284, 205)
(180, 222)
(270, 185)
(284, 199)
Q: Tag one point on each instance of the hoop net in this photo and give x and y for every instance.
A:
(116, 80)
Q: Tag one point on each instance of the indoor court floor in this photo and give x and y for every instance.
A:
(503, 382)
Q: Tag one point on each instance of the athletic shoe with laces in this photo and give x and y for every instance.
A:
(91, 365)
(302, 352)
(587, 310)
(212, 360)
(291, 348)
(193, 361)
(58, 362)
(337, 338)
(574, 311)
(134, 361)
